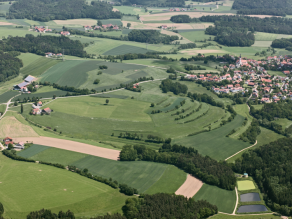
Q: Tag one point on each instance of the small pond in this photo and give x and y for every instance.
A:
(251, 208)
(250, 197)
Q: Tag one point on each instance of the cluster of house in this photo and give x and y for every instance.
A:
(177, 9)
(265, 88)
(50, 54)
(65, 33)
(105, 26)
(23, 85)
(42, 29)
(37, 111)
(8, 140)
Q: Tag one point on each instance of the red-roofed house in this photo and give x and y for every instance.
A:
(47, 110)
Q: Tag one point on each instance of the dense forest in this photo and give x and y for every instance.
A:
(181, 19)
(9, 66)
(150, 36)
(282, 43)
(238, 30)
(267, 7)
(188, 159)
(60, 10)
(175, 87)
(163, 205)
(43, 44)
(271, 167)
(152, 3)
(45, 213)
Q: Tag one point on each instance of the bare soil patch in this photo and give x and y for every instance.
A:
(5, 23)
(73, 146)
(190, 187)
(80, 22)
(10, 126)
(115, 9)
(167, 16)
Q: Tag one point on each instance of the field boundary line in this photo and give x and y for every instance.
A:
(7, 106)
(242, 150)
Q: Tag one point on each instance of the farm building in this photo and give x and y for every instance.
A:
(19, 145)
(21, 86)
(47, 110)
(29, 79)
(36, 111)
(7, 141)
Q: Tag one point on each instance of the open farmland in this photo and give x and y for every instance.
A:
(225, 200)
(28, 58)
(7, 96)
(85, 22)
(67, 191)
(125, 49)
(132, 173)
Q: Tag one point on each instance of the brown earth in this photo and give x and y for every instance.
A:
(78, 22)
(190, 187)
(72, 146)
(5, 23)
(114, 9)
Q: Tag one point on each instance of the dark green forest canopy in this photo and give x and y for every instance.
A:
(268, 7)
(271, 167)
(159, 3)
(167, 206)
(181, 19)
(42, 44)
(45, 10)
(9, 66)
(282, 43)
(150, 36)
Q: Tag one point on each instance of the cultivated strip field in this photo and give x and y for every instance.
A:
(190, 187)
(73, 146)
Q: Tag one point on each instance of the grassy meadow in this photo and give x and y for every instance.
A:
(52, 188)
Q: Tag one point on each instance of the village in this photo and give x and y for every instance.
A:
(249, 74)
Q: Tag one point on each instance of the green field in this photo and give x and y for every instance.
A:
(131, 10)
(32, 150)
(242, 216)
(41, 95)
(279, 73)
(28, 58)
(5, 31)
(245, 185)
(27, 187)
(125, 49)
(196, 35)
(7, 96)
(214, 143)
(262, 43)
(285, 123)
(223, 199)
(38, 66)
(4, 7)
(141, 175)
(260, 36)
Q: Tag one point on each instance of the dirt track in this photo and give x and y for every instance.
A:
(190, 187)
(72, 146)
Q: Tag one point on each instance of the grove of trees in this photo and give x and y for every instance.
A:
(9, 66)
(181, 19)
(175, 87)
(61, 10)
(150, 36)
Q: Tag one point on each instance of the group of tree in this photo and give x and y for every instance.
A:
(250, 135)
(268, 7)
(270, 166)
(175, 87)
(150, 36)
(9, 66)
(181, 19)
(193, 67)
(60, 10)
(48, 214)
(282, 43)
(186, 158)
(163, 205)
(42, 44)
(207, 99)
(151, 3)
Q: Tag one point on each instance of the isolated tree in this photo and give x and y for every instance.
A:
(15, 103)
(10, 146)
(54, 96)
(21, 109)
(128, 25)
(99, 23)
(107, 101)
(152, 104)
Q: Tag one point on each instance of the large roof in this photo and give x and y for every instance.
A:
(29, 78)
(22, 84)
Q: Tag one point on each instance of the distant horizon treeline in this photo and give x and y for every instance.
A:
(45, 11)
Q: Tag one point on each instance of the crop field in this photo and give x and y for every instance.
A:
(262, 43)
(96, 107)
(245, 185)
(5, 31)
(214, 143)
(260, 36)
(28, 58)
(125, 49)
(224, 199)
(7, 96)
(82, 74)
(242, 216)
(50, 94)
(38, 66)
(285, 123)
(141, 175)
(130, 10)
(4, 7)
(173, 105)
(32, 150)
(67, 191)
(196, 35)
(10, 126)
(279, 73)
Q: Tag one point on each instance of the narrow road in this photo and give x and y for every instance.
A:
(7, 106)
(236, 201)
(242, 150)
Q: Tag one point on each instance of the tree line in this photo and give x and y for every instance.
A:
(268, 7)
(175, 87)
(250, 135)
(43, 44)
(186, 158)
(151, 3)
(270, 166)
(282, 43)
(150, 36)
(60, 10)
(9, 66)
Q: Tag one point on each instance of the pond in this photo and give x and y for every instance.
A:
(250, 197)
(251, 208)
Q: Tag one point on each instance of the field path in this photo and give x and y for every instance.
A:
(234, 211)
(7, 106)
(242, 150)
(72, 146)
(190, 187)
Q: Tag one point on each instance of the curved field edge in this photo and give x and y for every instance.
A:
(225, 200)
(52, 188)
